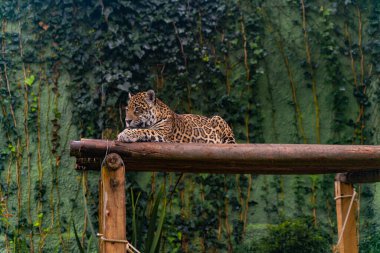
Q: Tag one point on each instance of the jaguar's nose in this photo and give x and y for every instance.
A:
(128, 122)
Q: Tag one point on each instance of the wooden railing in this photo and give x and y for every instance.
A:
(353, 163)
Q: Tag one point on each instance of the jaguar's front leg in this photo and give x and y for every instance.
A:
(140, 135)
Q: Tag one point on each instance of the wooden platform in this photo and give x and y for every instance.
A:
(352, 163)
(230, 158)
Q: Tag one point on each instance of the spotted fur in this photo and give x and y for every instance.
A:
(148, 119)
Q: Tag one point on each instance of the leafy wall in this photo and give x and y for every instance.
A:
(277, 71)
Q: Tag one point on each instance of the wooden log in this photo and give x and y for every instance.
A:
(347, 235)
(359, 177)
(112, 213)
(230, 158)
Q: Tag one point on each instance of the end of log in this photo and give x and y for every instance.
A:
(372, 176)
(113, 161)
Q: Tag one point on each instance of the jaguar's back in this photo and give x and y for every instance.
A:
(200, 129)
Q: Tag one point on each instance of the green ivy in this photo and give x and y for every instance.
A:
(291, 236)
(243, 60)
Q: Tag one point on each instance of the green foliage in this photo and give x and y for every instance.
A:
(4, 217)
(30, 80)
(155, 219)
(371, 241)
(66, 68)
(156, 222)
(77, 240)
(296, 236)
(17, 240)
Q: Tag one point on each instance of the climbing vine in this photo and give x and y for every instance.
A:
(283, 72)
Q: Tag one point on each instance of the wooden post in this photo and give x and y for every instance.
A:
(348, 242)
(112, 219)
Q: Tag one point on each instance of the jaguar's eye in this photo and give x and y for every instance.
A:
(138, 110)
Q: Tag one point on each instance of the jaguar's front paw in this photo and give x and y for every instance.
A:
(126, 136)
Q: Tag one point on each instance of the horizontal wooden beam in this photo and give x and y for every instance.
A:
(229, 158)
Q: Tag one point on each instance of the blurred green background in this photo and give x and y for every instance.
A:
(278, 71)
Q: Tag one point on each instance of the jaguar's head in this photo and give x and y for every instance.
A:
(141, 110)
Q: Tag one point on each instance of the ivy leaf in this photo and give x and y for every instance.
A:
(30, 80)
(12, 148)
(107, 12)
(377, 68)
(124, 87)
(347, 2)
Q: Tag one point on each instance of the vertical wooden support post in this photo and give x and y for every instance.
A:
(112, 219)
(347, 242)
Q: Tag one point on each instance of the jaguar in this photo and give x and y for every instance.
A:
(148, 119)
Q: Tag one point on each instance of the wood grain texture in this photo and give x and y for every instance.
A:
(230, 158)
(112, 213)
(349, 241)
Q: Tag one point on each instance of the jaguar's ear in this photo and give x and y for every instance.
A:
(151, 97)
(129, 95)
